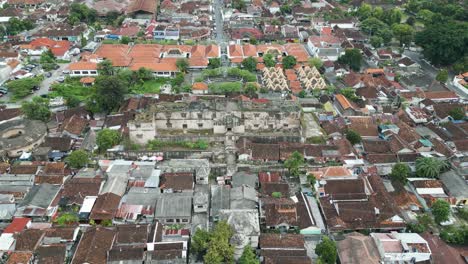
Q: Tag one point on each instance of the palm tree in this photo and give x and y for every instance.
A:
(429, 167)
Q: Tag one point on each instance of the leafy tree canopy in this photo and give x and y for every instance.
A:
(289, 62)
(294, 162)
(440, 210)
(400, 173)
(37, 109)
(110, 92)
(107, 138)
(444, 43)
(353, 137)
(352, 58)
(326, 250)
(250, 64)
(78, 159)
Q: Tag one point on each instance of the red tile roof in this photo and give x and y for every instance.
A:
(17, 225)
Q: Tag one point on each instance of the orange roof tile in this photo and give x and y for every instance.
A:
(161, 66)
(87, 80)
(200, 86)
(343, 101)
(198, 62)
(235, 51)
(82, 65)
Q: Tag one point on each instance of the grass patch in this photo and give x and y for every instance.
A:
(158, 144)
(151, 86)
(225, 87)
(71, 88)
(316, 140)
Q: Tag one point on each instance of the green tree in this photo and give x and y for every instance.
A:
(404, 33)
(23, 87)
(315, 62)
(238, 4)
(250, 90)
(378, 12)
(376, 41)
(326, 250)
(125, 40)
(425, 16)
(441, 211)
(15, 26)
(455, 235)
(311, 180)
(392, 16)
(269, 60)
(107, 138)
(364, 11)
(400, 173)
(37, 109)
(250, 64)
(200, 242)
(411, 21)
(214, 63)
(353, 137)
(47, 57)
(349, 93)
(352, 58)
(105, 67)
(182, 65)
(78, 159)
(443, 43)
(457, 113)
(219, 250)
(429, 167)
(376, 27)
(294, 162)
(276, 194)
(442, 76)
(302, 94)
(253, 40)
(289, 62)
(285, 9)
(67, 219)
(248, 256)
(110, 92)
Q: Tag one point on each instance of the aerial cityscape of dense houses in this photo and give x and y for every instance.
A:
(232, 131)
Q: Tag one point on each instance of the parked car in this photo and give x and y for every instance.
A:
(60, 79)
(32, 66)
(36, 88)
(47, 74)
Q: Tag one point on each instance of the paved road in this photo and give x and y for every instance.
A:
(221, 38)
(432, 71)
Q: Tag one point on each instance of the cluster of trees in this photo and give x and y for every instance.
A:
(81, 13)
(326, 251)
(455, 235)
(15, 26)
(383, 24)
(78, 159)
(353, 137)
(430, 167)
(23, 87)
(426, 167)
(349, 93)
(37, 109)
(294, 163)
(444, 37)
(352, 58)
(48, 61)
(213, 246)
(107, 138)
